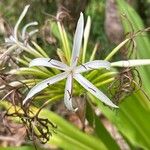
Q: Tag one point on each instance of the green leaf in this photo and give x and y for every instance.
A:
(99, 128)
(132, 119)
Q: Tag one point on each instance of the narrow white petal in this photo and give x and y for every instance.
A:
(94, 90)
(68, 93)
(96, 64)
(8, 51)
(26, 26)
(86, 37)
(33, 32)
(77, 41)
(19, 20)
(10, 40)
(48, 62)
(131, 63)
(42, 85)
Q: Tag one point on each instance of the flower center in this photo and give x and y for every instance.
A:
(71, 70)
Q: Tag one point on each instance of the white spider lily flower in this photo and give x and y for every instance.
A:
(15, 37)
(71, 72)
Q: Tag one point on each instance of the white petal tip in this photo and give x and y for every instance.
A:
(112, 105)
(70, 107)
(35, 23)
(25, 101)
(31, 64)
(27, 6)
(89, 18)
(81, 14)
(73, 109)
(116, 106)
(76, 109)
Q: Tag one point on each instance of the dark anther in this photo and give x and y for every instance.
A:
(70, 95)
(48, 84)
(92, 89)
(50, 59)
(83, 66)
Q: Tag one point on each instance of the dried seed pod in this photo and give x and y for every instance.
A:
(125, 83)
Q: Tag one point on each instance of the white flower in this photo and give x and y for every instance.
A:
(71, 72)
(15, 41)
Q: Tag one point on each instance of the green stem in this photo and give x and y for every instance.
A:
(116, 49)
